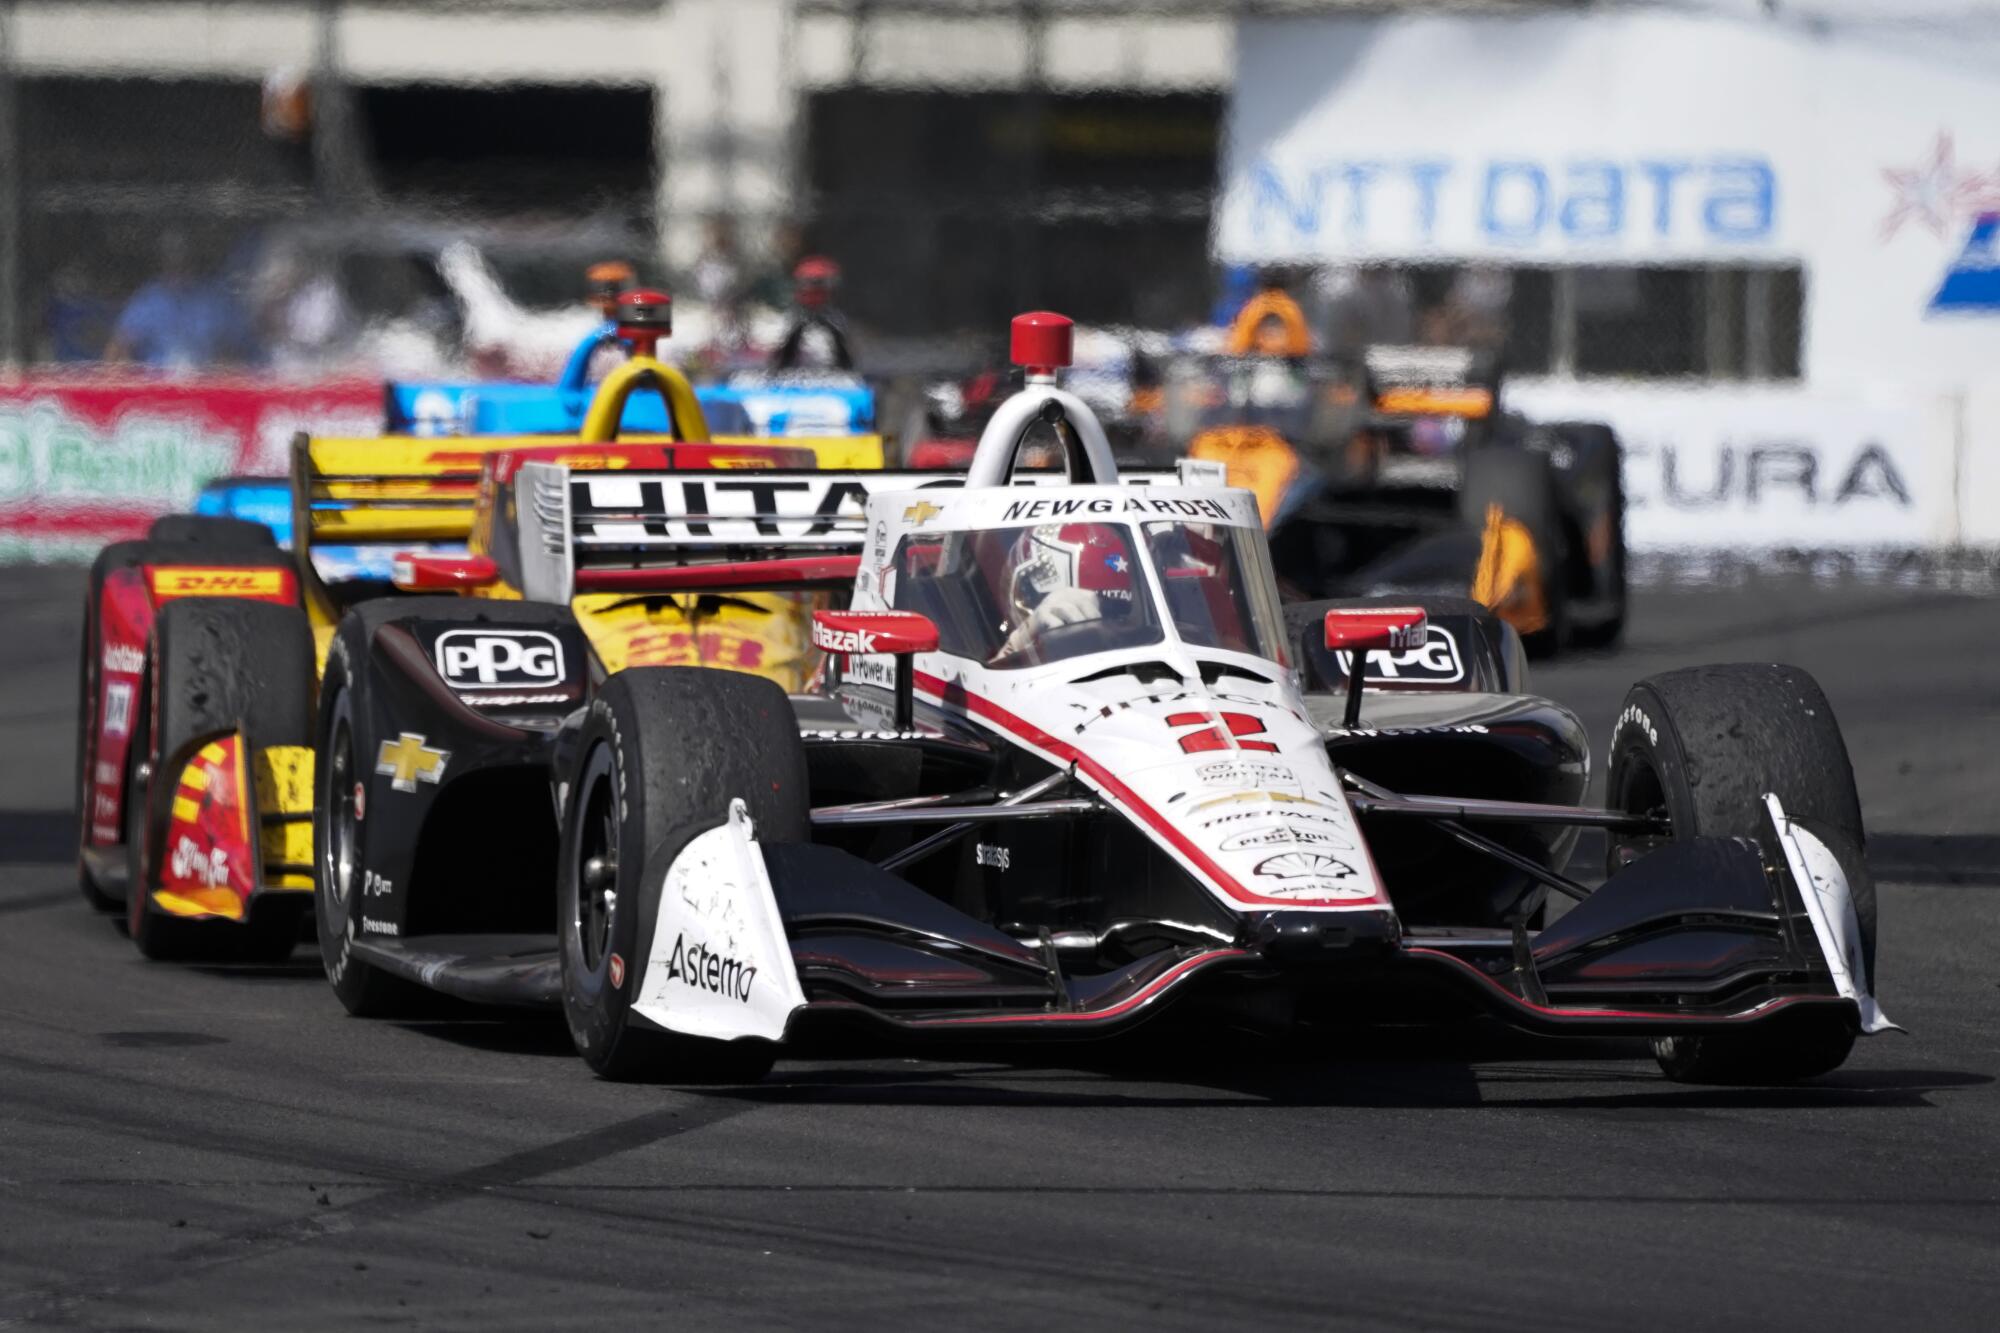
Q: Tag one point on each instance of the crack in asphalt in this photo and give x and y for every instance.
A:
(45, 1304)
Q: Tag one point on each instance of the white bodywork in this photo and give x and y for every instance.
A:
(1830, 903)
(718, 964)
(1260, 820)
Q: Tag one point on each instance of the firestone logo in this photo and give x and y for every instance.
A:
(124, 659)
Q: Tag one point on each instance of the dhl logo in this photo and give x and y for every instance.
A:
(216, 582)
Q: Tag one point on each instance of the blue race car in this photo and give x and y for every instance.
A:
(773, 403)
(765, 403)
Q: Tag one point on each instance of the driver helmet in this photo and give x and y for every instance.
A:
(1088, 556)
(813, 281)
(1270, 324)
(604, 283)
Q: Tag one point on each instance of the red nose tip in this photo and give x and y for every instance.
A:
(1041, 342)
(644, 308)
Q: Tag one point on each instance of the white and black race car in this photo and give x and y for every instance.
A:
(1069, 767)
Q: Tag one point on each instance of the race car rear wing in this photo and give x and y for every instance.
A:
(1405, 382)
(399, 491)
(578, 531)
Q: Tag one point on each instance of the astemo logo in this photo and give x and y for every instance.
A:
(699, 966)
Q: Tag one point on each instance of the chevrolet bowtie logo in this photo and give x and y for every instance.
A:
(920, 513)
(407, 760)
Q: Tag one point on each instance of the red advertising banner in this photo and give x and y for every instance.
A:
(85, 461)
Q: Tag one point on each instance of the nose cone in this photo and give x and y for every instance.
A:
(1042, 341)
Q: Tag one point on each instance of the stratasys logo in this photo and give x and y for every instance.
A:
(703, 968)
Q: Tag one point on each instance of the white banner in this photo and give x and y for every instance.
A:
(1545, 137)
(1869, 158)
(1750, 468)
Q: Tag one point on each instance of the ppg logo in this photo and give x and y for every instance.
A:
(473, 659)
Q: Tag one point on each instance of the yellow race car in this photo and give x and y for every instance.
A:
(202, 666)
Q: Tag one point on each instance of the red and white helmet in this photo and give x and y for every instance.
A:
(1090, 556)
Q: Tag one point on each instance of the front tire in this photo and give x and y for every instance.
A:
(1700, 747)
(340, 782)
(661, 755)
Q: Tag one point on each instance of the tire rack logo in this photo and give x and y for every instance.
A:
(1436, 663)
(475, 659)
(831, 640)
(118, 708)
(406, 761)
(701, 967)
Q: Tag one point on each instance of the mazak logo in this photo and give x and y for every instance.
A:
(830, 640)
(472, 659)
(124, 659)
(701, 967)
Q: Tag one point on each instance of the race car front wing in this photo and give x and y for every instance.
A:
(1695, 935)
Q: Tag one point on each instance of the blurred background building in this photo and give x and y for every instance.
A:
(1752, 220)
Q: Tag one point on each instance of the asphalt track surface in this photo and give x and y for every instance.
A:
(221, 1146)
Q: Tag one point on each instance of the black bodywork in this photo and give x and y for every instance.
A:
(1386, 496)
(1083, 925)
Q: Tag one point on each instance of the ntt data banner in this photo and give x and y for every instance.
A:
(1553, 137)
(88, 461)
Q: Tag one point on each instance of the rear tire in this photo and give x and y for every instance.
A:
(218, 663)
(661, 755)
(1523, 483)
(212, 530)
(118, 555)
(1700, 747)
(1597, 495)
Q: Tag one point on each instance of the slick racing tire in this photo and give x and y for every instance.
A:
(213, 530)
(118, 555)
(1595, 484)
(217, 663)
(1700, 747)
(661, 755)
(340, 776)
(1523, 483)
